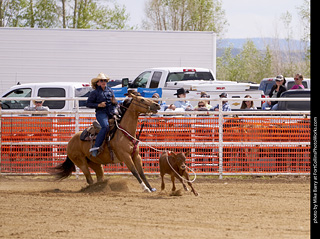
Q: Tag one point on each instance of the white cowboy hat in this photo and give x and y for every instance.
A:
(101, 76)
(37, 100)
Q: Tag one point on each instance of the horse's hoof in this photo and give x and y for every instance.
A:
(144, 188)
(153, 189)
(147, 190)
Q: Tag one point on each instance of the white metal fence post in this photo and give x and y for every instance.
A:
(77, 129)
(220, 139)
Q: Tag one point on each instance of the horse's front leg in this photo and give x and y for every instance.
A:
(138, 164)
(126, 158)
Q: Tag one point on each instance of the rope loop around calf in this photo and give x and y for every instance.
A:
(188, 181)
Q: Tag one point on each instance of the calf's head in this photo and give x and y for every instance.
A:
(179, 160)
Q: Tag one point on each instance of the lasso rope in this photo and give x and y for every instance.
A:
(188, 181)
(158, 150)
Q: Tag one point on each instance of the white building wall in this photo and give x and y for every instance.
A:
(46, 55)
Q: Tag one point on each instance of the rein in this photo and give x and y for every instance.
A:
(132, 139)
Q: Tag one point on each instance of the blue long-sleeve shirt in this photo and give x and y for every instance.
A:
(99, 95)
(183, 104)
(225, 107)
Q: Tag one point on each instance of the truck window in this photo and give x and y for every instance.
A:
(155, 79)
(266, 86)
(185, 76)
(141, 80)
(53, 92)
(17, 104)
(82, 92)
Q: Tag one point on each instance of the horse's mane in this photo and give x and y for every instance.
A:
(123, 107)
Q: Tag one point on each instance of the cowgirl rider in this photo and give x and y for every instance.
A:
(103, 100)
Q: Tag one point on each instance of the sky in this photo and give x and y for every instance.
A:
(246, 18)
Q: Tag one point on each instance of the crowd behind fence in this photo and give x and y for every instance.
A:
(221, 143)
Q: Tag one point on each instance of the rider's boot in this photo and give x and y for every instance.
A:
(94, 151)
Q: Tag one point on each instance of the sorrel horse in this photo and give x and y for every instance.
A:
(123, 148)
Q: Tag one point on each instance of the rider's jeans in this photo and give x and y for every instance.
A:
(103, 121)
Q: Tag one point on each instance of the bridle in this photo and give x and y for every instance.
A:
(139, 103)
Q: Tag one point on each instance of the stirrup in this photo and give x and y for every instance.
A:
(93, 149)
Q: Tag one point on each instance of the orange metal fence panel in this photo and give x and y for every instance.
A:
(266, 159)
(248, 144)
(265, 129)
(30, 159)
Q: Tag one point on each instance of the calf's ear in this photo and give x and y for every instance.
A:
(171, 153)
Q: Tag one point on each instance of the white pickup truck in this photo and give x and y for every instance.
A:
(195, 80)
(46, 90)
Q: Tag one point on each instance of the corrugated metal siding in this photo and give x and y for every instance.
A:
(37, 55)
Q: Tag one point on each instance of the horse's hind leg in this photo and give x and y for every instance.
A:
(87, 173)
(97, 168)
(84, 167)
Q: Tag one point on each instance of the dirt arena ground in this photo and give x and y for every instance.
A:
(38, 207)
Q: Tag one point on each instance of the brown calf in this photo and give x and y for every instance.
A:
(177, 162)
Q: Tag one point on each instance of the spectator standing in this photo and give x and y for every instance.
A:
(38, 106)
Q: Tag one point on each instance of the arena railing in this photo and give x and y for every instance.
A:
(221, 143)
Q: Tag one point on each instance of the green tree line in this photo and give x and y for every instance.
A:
(251, 64)
(62, 14)
(185, 15)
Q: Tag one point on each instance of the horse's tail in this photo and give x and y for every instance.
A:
(63, 170)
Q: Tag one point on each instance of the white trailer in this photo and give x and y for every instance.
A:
(57, 55)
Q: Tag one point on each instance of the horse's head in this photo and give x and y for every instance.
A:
(144, 105)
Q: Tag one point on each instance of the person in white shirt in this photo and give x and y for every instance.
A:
(38, 106)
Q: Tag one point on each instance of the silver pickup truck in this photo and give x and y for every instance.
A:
(195, 80)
